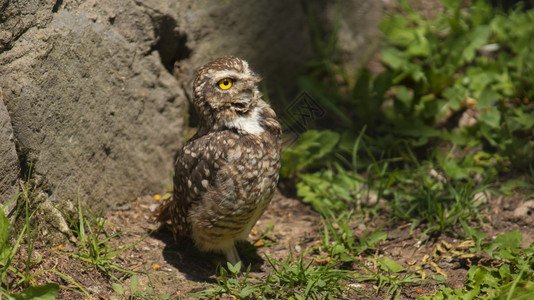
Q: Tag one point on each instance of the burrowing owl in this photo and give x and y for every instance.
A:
(226, 174)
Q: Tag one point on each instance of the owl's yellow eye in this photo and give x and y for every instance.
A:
(226, 83)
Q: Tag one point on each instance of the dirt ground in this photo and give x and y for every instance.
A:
(179, 271)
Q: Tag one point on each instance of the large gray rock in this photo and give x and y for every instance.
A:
(91, 105)
(9, 167)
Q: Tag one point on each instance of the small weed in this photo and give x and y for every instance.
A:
(231, 282)
(308, 280)
(290, 279)
(509, 276)
(133, 291)
(342, 244)
(344, 247)
(440, 203)
(10, 276)
(93, 243)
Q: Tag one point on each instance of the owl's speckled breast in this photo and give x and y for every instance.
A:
(249, 180)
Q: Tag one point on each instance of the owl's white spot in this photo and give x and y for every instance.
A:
(199, 88)
(189, 183)
(204, 183)
(250, 124)
(234, 154)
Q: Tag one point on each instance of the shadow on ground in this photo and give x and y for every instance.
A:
(200, 266)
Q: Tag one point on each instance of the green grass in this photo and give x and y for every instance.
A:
(13, 278)
(292, 278)
(94, 247)
(134, 292)
(509, 275)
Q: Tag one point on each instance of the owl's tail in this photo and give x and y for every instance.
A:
(163, 212)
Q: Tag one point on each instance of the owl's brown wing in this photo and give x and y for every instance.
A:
(196, 168)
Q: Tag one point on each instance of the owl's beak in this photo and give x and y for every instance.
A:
(241, 102)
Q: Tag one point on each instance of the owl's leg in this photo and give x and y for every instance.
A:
(231, 254)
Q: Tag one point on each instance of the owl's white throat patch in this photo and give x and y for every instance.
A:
(250, 123)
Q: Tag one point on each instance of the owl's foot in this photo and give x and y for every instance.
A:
(231, 254)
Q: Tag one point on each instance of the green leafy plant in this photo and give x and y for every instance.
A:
(343, 246)
(290, 279)
(458, 80)
(510, 276)
(230, 281)
(133, 291)
(308, 280)
(340, 242)
(464, 59)
(461, 77)
(311, 149)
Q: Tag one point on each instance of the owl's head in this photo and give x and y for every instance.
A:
(226, 95)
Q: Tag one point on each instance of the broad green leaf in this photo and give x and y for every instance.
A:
(504, 272)
(134, 282)
(234, 269)
(118, 288)
(4, 236)
(312, 146)
(246, 291)
(491, 117)
(510, 185)
(396, 28)
(523, 118)
(477, 37)
(456, 95)
(375, 237)
(42, 292)
(388, 264)
(510, 242)
(394, 58)
(404, 94)
(487, 98)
